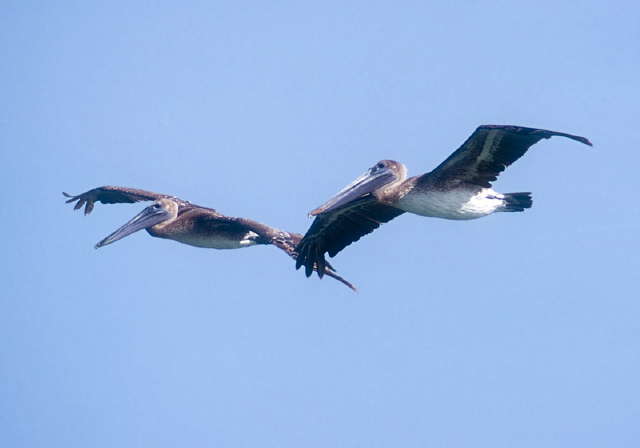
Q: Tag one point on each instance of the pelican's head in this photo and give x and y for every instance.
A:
(378, 176)
(163, 209)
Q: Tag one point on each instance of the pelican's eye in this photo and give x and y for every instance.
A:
(380, 165)
(156, 206)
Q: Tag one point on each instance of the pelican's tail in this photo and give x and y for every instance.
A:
(517, 202)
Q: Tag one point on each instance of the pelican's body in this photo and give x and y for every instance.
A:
(455, 204)
(175, 219)
(423, 197)
(203, 227)
(459, 188)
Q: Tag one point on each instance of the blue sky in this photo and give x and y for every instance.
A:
(517, 329)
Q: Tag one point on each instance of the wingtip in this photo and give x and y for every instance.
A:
(308, 270)
(545, 132)
(71, 197)
(342, 280)
(586, 141)
(353, 288)
(577, 138)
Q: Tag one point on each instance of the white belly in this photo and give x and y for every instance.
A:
(455, 204)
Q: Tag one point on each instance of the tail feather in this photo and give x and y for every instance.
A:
(517, 202)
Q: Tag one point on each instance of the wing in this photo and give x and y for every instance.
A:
(333, 231)
(112, 195)
(289, 246)
(489, 150)
(286, 241)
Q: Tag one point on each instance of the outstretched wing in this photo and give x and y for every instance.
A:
(289, 246)
(287, 241)
(489, 150)
(112, 195)
(333, 231)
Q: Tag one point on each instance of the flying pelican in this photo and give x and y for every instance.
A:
(175, 219)
(459, 188)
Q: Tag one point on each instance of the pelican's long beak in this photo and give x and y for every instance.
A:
(149, 217)
(370, 181)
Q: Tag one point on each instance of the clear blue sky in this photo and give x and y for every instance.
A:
(515, 330)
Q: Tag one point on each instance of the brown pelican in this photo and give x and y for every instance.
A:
(172, 218)
(459, 188)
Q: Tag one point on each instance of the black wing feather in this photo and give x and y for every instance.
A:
(331, 232)
(489, 150)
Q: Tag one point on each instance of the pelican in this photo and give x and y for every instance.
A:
(459, 188)
(175, 219)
